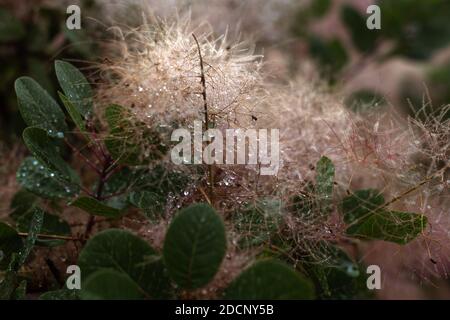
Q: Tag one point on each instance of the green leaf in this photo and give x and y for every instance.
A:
(44, 150)
(38, 108)
(270, 280)
(258, 222)
(11, 28)
(368, 220)
(363, 38)
(95, 207)
(156, 182)
(110, 285)
(75, 86)
(35, 228)
(150, 202)
(336, 275)
(160, 180)
(129, 255)
(361, 203)
(21, 203)
(393, 226)
(74, 114)
(117, 187)
(194, 246)
(324, 184)
(52, 225)
(143, 199)
(62, 294)
(38, 179)
(129, 140)
(10, 242)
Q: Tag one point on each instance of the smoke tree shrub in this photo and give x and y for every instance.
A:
(111, 165)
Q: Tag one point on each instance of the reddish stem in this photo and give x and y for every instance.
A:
(82, 156)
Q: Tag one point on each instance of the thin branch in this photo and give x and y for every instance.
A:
(403, 194)
(96, 147)
(50, 236)
(115, 194)
(98, 195)
(54, 270)
(85, 190)
(83, 157)
(203, 82)
(412, 189)
(205, 108)
(205, 195)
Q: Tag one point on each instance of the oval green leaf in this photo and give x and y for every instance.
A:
(52, 225)
(35, 226)
(21, 203)
(45, 150)
(129, 256)
(368, 219)
(74, 114)
(38, 108)
(270, 280)
(110, 285)
(10, 242)
(75, 86)
(194, 246)
(95, 207)
(38, 179)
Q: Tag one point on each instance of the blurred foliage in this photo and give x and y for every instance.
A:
(414, 30)
(417, 27)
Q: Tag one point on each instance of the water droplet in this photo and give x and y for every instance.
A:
(351, 270)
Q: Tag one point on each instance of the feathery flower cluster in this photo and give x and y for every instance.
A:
(156, 76)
